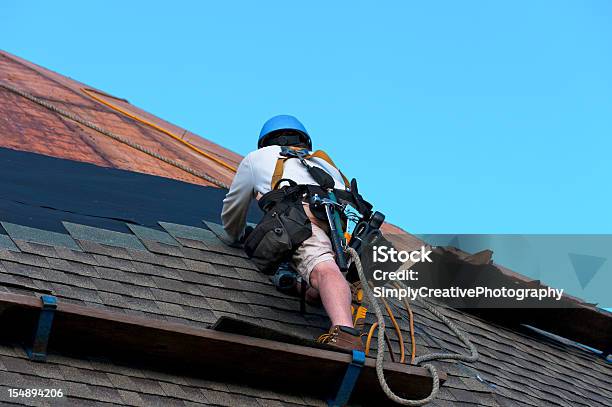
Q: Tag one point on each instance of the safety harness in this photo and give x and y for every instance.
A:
(350, 193)
(319, 175)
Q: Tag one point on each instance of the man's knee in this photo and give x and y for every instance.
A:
(324, 270)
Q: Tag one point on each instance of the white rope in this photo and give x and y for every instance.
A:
(380, 352)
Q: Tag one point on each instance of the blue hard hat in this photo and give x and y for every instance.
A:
(283, 122)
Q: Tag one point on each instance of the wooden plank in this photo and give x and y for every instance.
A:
(579, 324)
(241, 327)
(568, 317)
(208, 353)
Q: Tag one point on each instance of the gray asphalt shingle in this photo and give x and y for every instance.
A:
(45, 237)
(198, 283)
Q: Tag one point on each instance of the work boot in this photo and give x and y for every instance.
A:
(343, 338)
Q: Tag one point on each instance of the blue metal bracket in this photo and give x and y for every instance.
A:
(38, 352)
(350, 379)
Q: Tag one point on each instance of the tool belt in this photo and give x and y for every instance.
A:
(282, 229)
(285, 224)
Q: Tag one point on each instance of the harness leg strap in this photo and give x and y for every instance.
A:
(43, 330)
(353, 371)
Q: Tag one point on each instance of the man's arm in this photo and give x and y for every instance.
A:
(237, 200)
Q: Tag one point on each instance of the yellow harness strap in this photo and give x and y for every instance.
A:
(278, 171)
(280, 167)
(323, 155)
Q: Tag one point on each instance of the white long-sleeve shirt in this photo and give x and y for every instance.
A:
(254, 176)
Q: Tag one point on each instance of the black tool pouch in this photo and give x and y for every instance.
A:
(281, 230)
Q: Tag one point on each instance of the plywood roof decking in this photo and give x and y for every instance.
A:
(29, 127)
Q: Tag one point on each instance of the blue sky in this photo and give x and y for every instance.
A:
(456, 117)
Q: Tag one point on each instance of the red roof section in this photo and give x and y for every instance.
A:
(27, 126)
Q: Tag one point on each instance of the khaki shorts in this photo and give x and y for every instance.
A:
(314, 250)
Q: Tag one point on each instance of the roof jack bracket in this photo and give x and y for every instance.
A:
(350, 379)
(38, 352)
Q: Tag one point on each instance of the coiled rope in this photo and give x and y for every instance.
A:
(112, 135)
(380, 354)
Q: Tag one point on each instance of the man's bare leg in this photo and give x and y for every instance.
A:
(312, 297)
(334, 291)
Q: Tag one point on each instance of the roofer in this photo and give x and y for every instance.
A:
(289, 229)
